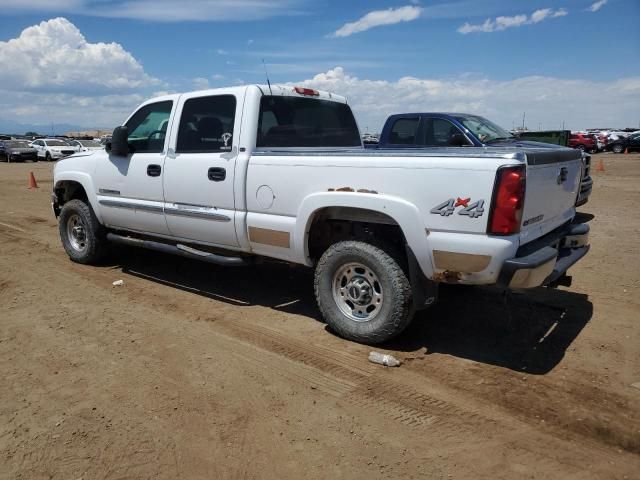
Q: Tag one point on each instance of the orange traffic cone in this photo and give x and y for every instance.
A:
(600, 166)
(32, 181)
(626, 150)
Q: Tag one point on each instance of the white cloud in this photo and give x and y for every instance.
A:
(200, 83)
(217, 76)
(378, 18)
(503, 22)
(55, 56)
(162, 10)
(597, 5)
(220, 51)
(579, 103)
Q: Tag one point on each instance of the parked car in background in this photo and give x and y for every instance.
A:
(446, 130)
(85, 145)
(17, 151)
(587, 142)
(52, 148)
(632, 142)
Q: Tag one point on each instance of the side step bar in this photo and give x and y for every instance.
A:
(181, 250)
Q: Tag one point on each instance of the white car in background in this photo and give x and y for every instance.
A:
(52, 148)
(85, 145)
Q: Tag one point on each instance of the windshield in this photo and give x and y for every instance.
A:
(89, 143)
(18, 144)
(482, 128)
(57, 143)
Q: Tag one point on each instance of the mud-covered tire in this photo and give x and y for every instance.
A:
(83, 238)
(395, 311)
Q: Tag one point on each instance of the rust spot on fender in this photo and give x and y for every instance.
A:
(351, 190)
(447, 276)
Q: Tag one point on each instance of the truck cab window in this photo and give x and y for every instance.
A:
(148, 127)
(301, 122)
(439, 132)
(404, 131)
(206, 124)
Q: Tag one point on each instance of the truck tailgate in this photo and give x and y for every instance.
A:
(553, 180)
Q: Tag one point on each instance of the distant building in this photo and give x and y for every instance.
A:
(88, 133)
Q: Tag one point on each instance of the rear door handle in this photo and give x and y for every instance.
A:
(154, 170)
(217, 174)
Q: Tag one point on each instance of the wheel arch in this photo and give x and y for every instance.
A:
(72, 186)
(363, 207)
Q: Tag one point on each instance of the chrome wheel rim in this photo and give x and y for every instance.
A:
(77, 233)
(357, 292)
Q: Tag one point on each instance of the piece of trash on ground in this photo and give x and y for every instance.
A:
(384, 359)
(118, 283)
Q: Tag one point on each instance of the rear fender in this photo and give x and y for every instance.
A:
(404, 213)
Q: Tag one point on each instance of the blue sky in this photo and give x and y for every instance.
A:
(576, 61)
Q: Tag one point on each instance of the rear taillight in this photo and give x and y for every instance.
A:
(508, 201)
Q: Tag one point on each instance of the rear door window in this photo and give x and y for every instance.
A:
(206, 124)
(404, 131)
(305, 122)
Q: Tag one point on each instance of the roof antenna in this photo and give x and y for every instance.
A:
(267, 75)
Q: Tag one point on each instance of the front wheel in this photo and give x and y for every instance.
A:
(83, 238)
(47, 157)
(362, 292)
(618, 148)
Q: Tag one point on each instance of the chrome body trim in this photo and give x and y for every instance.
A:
(131, 206)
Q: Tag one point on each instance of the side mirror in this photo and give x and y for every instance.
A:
(458, 140)
(119, 144)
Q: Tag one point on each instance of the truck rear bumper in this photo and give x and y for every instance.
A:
(544, 261)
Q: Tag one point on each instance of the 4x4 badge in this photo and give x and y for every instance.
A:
(473, 210)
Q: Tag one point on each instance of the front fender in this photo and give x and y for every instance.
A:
(86, 181)
(404, 213)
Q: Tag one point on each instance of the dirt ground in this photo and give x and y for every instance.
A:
(202, 372)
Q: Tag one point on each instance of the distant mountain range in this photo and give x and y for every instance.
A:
(8, 127)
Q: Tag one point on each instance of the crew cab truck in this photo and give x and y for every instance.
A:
(443, 130)
(230, 175)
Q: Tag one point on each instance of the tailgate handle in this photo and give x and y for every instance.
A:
(217, 174)
(562, 175)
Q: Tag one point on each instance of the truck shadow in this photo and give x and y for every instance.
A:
(527, 333)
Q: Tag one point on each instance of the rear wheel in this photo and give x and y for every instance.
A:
(362, 292)
(83, 238)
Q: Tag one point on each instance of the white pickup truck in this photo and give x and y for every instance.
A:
(231, 175)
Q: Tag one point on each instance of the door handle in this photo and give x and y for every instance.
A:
(154, 170)
(217, 174)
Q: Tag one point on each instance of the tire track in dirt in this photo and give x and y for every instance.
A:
(347, 377)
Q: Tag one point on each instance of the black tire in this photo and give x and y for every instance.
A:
(618, 148)
(394, 310)
(581, 147)
(47, 157)
(87, 245)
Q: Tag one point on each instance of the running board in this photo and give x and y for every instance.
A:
(181, 250)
